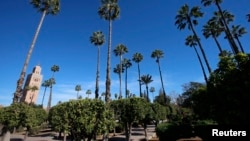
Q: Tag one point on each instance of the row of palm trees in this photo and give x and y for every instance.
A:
(110, 10)
(49, 84)
(219, 23)
(98, 39)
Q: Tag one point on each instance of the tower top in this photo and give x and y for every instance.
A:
(37, 69)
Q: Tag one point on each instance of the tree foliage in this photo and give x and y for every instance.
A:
(83, 118)
(21, 115)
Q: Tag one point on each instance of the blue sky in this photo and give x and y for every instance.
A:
(143, 26)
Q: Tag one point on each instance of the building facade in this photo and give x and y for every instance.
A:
(32, 86)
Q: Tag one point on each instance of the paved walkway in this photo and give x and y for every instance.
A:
(137, 135)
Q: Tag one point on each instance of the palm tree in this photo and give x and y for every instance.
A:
(88, 92)
(78, 88)
(137, 58)
(97, 39)
(217, 19)
(238, 31)
(109, 10)
(159, 54)
(223, 20)
(45, 84)
(146, 79)
(213, 29)
(54, 68)
(119, 71)
(188, 17)
(126, 64)
(152, 90)
(119, 51)
(52, 81)
(46, 7)
(192, 42)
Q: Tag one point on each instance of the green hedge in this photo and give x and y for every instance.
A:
(174, 131)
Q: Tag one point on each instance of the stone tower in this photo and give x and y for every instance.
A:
(32, 86)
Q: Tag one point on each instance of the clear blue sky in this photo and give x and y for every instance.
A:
(143, 26)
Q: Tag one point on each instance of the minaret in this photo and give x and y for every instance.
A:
(32, 86)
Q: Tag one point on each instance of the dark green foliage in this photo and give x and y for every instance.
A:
(162, 99)
(159, 112)
(132, 110)
(172, 131)
(229, 89)
(22, 115)
(83, 118)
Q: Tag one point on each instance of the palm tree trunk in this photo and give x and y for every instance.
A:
(165, 98)
(18, 92)
(50, 99)
(44, 95)
(120, 75)
(201, 48)
(229, 35)
(147, 91)
(202, 67)
(217, 43)
(241, 47)
(108, 81)
(139, 72)
(97, 74)
(126, 78)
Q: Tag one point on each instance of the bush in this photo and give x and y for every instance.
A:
(203, 129)
(173, 131)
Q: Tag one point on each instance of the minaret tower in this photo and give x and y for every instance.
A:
(32, 86)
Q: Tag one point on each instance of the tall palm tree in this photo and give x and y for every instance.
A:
(217, 19)
(46, 7)
(223, 19)
(119, 51)
(119, 71)
(213, 29)
(192, 42)
(88, 92)
(238, 31)
(109, 10)
(78, 88)
(45, 84)
(159, 54)
(146, 79)
(52, 81)
(97, 39)
(188, 17)
(54, 68)
(126, 64)
(137, 58)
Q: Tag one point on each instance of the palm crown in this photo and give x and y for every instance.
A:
(109, 9)
(51, 6)
(97, 38)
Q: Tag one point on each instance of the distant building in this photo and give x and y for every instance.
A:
(32, 86)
